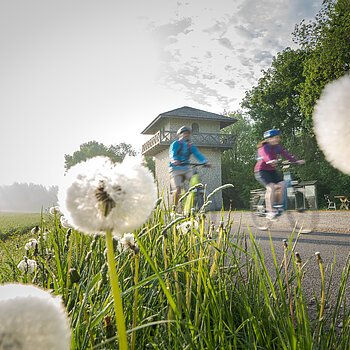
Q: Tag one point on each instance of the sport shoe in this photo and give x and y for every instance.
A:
(279, 209)
(272, 215)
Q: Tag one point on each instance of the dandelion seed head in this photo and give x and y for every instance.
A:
(128, 239)
(31, 244)
(35, 230)
(27, 265)
(98, 195)
(331, 123)
(32, 318)
(55, 210)
(64, 222)
(187, 226)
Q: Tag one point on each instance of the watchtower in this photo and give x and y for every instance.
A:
(206, 136)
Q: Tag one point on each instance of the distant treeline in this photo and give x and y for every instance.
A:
(27, 197)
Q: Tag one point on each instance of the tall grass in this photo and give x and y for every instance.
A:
(209, 288)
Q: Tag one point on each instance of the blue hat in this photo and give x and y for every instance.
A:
(271, 133)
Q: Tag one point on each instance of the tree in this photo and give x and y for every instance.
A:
(327, 40)
(274, 102)
(93, 149)
(286, 94)
(149, 162)
(238, 163)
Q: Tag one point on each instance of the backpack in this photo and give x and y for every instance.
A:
(189, 145)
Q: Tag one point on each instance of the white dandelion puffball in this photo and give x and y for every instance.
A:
(128, 240)
(27, 266)
(31, 245)
(54, 210)
(187, 226)
(98, 195)
(332, 123)
(35, 230)
(64, 222)
(32, 319)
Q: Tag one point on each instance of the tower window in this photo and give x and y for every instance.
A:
(195, 128)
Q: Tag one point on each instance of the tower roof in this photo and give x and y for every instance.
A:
(188, 113)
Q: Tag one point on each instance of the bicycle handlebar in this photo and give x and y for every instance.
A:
(192, 164)
(286, 163)
(196, 164)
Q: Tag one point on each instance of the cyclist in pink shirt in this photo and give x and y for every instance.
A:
(269, 151)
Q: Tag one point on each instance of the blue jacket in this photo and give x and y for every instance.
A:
(181, 150)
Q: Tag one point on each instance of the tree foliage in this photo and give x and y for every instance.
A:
(327, 43)
(149, 162)
(327, 40)
(273, 102)
(287, 92)
(93, 149)
(238, 163)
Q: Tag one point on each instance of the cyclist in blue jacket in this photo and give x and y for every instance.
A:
(180, 152)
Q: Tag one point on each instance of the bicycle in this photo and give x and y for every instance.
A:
(194, 197)
(300, 208)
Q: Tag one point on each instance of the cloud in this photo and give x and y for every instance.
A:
(166, 33)
(209, 76)
(231, 83)
(226, 43)
(217, 28)
(264, 57)
(247, 32)
(217, 50)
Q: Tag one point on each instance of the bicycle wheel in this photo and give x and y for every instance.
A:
(304, 217)
(258, 210)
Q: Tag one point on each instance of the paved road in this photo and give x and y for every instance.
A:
(331, 238)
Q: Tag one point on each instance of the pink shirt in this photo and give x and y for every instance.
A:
(269, 152)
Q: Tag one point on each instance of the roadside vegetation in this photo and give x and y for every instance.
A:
(186, 284)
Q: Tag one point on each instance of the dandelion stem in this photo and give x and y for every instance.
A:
(118, 306)
(199, 276)
(216, 252)
(136, 298)
(287, 282)
(176, 276)
(320, 263)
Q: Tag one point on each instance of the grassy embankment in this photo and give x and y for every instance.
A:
(206, 288)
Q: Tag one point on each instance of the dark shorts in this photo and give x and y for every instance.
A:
(267, 177)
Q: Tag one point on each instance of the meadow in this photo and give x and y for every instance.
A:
(186, 284)
(17, 223)
(14, 232)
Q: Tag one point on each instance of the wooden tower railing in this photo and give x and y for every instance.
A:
(163, 139)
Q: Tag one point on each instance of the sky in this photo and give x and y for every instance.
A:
(74, 71)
